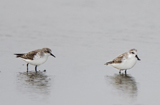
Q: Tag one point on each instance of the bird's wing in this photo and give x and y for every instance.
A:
(120, 58)
(29, 55)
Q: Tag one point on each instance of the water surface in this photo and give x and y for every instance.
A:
(83, 35)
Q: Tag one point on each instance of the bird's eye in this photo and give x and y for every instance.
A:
(132, 52)
(47, 51)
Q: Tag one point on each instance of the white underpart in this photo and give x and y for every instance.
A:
(37, 60)
(126, 63)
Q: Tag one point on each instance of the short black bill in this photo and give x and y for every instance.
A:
(52, 55)
(137, 58)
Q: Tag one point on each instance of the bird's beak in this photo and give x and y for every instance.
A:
(137, 58)
(52, 55)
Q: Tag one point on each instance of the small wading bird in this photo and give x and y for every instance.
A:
(36, 57)
(125, 61)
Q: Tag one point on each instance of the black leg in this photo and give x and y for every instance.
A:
(119, 71)
(125, 71)
(27, 66)
(36, 68)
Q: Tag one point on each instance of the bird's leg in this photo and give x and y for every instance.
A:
(27, 66)
(119, 71)
(125, 71)
(36, 68)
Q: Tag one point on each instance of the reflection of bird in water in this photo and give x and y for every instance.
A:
(124, 83)
(33, 83)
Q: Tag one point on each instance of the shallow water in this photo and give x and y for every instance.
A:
(83, 35)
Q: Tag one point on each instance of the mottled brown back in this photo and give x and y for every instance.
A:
(29, 55)
(118, 59)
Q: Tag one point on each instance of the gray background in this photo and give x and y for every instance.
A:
(83, 35)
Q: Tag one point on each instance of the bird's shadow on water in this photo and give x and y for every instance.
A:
(123, 83)
(33, 83)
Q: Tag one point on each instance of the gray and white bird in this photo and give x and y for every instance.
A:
(125, 61)
(36, 57)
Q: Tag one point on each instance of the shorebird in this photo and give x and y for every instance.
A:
(36, 57)
(125, 61)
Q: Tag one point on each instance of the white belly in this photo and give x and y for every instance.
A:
(126, 64)
(37, 61)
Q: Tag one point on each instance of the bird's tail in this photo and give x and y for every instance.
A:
(109, 63)
(19, 55)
